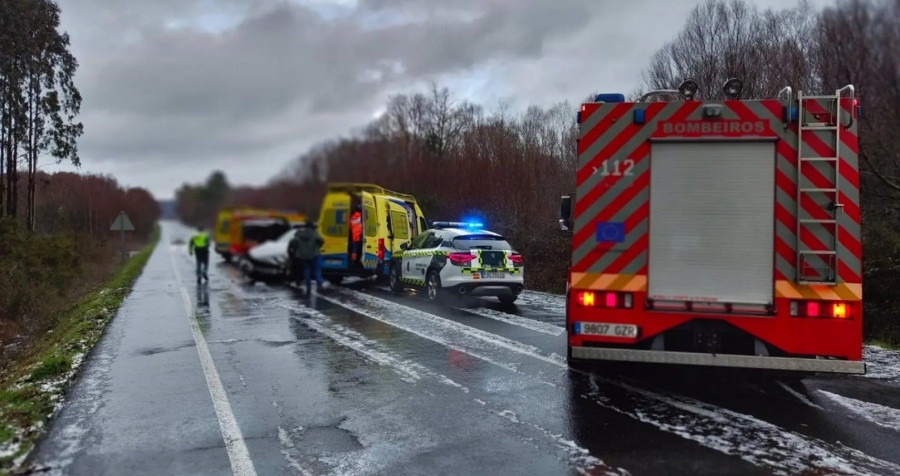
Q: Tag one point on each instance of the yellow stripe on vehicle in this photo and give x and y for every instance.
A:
(611, 282)
(838, 292)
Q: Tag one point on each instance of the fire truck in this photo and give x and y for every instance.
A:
(721, 233)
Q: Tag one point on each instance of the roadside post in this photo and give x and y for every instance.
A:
(122, 224)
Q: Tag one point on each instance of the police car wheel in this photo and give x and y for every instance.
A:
(396, 285)
(433, 286)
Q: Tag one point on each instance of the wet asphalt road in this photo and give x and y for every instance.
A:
(260, 380)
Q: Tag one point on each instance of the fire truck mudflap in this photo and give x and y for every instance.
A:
(718, 233)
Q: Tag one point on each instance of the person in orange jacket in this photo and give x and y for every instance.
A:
(356, 234)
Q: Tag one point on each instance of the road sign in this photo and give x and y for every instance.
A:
(122, 223)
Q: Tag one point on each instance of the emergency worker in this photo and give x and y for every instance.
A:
(199, 248)
(356, 232)
(303, 250)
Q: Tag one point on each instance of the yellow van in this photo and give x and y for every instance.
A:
(389, 220)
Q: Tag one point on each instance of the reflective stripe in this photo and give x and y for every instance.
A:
(409, 254)
(200, 240)
(356, 226)
(414, 282)
(491, 270)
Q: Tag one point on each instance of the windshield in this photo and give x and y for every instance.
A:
(258, 233)
(481, 242)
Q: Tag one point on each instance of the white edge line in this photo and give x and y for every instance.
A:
(238, 454)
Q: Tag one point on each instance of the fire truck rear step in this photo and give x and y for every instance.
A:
(720, 360)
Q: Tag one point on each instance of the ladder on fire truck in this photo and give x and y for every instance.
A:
(820, 114)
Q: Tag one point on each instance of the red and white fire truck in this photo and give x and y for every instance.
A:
(717, 232)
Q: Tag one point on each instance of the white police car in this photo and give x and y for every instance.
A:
(460, 259)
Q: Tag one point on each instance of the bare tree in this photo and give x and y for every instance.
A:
(858, 43)
(731, 38)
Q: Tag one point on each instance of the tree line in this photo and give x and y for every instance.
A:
(38, 100)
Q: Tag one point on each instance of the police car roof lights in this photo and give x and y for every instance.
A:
(469, 225)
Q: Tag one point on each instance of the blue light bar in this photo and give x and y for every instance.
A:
(610, 97)
(471, 225)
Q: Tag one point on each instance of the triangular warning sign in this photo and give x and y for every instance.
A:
(122, 223)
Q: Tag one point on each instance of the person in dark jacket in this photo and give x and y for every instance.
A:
(303, 251)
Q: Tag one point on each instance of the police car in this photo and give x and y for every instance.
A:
(459, 259)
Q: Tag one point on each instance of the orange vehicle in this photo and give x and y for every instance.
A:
(245, 228)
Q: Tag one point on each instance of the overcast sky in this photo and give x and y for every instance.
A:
(176, 88)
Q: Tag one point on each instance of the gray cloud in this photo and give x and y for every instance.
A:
(175, 88)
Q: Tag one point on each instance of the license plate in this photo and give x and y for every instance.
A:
(606, 329)
(492, 274)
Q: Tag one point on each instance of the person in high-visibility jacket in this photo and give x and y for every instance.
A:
(199, 247)
(356, 232)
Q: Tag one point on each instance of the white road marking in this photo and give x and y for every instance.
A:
(880, 415)
(501, 341)
(238, 454)
(515, 320)
(454, 336)
(756, 441)
(803, 398)
(412, 372)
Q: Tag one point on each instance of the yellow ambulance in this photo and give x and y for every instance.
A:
(389, 219)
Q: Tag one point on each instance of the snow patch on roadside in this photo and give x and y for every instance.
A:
(55, 389)
(555, 303)
(515, 320)
(880, 415)
(579, 457)
(508, 414)
(758, 442)
(287, 444)
(881, 363)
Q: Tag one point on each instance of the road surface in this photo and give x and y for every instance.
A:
(252, 379)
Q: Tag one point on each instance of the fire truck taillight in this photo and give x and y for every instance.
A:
(822, 309)
(609, 300)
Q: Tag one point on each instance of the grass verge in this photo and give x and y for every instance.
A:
(885, 344)
(34, 387)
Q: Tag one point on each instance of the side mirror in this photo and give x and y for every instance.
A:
(565, 212)
(404, 246)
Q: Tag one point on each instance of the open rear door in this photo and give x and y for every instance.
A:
(400, 226)
(370, 231)
(712, 207)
